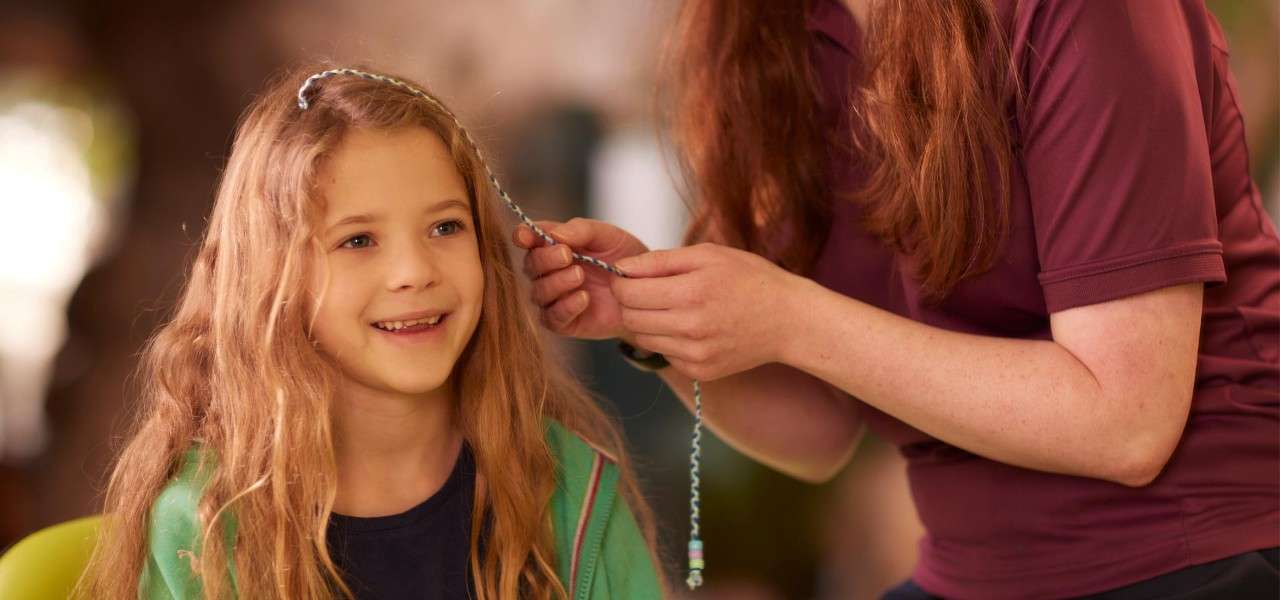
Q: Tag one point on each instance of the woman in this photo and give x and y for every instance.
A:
(1017, 239)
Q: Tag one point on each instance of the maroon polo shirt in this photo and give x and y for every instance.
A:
(1130, 175)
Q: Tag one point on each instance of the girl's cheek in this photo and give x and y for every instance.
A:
(476, 276)
(463, 266)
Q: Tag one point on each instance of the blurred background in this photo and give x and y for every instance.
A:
(116, 118)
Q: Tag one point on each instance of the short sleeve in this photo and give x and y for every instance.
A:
(1115, 151)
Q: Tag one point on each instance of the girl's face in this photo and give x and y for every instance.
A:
(405, 281)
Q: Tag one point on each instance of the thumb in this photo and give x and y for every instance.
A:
(576, 233)
(527, 237)
(661, 263)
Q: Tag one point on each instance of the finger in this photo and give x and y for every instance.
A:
(658, 293)
(669, 347)
(551, 287)
(662, 263)
(577, 232)
(524, 237)
(541, 261)
(530, 270)
(656, 322)
(561, 314)
(695, 370)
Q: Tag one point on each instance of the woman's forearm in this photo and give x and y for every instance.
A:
(1029, 403)
(778, 416)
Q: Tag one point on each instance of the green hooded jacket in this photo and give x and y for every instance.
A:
(601, 553)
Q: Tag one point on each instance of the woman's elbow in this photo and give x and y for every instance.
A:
(819, 474)
(1146, 442)
(830, 462)
(1138, 475)
(1142, 461)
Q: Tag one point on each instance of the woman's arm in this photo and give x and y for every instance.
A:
(1106, 398)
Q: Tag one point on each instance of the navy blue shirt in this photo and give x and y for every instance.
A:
(421, 553)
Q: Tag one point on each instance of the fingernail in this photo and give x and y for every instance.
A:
(624, 264)
(566, 256)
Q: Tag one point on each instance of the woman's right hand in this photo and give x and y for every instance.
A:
(574, 297)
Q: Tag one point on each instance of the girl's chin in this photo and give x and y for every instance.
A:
(400, 386)
(414, 388)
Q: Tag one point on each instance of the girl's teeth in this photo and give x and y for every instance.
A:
(397, 325)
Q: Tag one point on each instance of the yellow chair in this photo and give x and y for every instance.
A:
(47, 563)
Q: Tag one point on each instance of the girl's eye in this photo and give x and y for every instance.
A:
(359, 241)
(447, 228)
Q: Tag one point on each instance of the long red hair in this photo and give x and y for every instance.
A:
(932, 137)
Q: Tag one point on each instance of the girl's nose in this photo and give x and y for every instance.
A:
(413, 267)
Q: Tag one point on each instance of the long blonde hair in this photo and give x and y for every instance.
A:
(236, 370)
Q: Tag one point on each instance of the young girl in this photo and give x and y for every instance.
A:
(351, 399)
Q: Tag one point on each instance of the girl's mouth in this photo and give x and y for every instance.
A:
(413, 328)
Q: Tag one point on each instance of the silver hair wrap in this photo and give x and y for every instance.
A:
(696, 561)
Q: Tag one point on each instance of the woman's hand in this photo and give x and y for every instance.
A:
(712, 310)
(777, 414)
(575, 297)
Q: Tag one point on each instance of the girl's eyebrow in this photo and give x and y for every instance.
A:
(370, 218)
(447, 204)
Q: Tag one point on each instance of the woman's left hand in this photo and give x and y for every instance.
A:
(711, 310)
